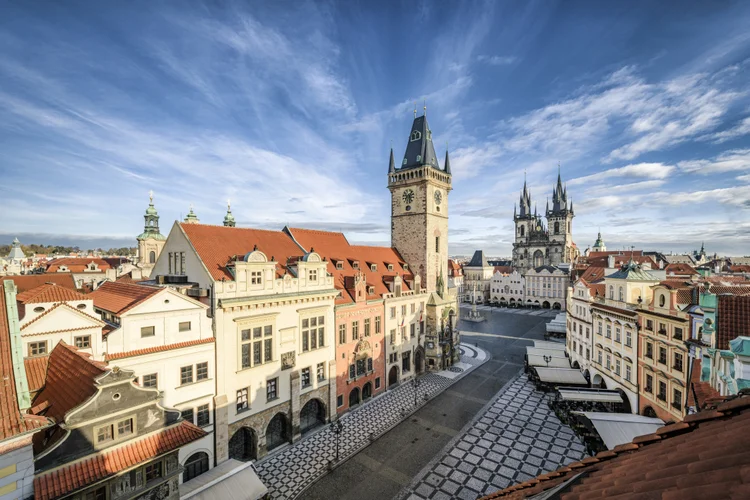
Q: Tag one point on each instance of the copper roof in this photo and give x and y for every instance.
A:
(160, 348)
(31, 281)
(49, 292)
(118, 297)
(732, 319)
(12, 421)
(705, 456)
(69, 478)
(218, 245)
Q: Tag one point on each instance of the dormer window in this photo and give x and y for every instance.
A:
(390, 267)
(373, 268)
(370, 290)
(339, 265)
(355, 264)
(405, 266)
(419, 157)
(416, 135)
(403, 162)
(312, 275)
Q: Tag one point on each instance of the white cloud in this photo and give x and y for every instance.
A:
(728, 161)
(639, 170)
(742, 128)
(496, 60)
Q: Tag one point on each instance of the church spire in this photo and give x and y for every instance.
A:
(151, 221)
(392, 164)
(419, 150)
(447, 164)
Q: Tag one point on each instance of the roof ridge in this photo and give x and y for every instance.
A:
(222, 226)
(150, 350)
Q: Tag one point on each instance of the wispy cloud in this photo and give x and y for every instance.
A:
(742, 128)
(728, 161)
(496, 60)
(642, 170)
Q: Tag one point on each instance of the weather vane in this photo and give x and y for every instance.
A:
(151, 195)
(415, 109)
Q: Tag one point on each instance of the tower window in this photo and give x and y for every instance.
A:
(416, 135)
(404, 162)
(557, 228)
(522, 230)
(152, 257)
(437, 244)
(419, 157)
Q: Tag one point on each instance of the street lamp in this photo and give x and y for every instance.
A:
(337, 427)
(547, 359)
(416, 383)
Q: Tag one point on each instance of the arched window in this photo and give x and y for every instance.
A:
(521, 229)
(662, 300)
(611, 292)
(196, 465)
(557, 228)
(621, 294)
(416, 135)
(152, 257)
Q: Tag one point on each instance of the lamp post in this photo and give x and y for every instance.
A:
(547, 359)
(416, 383)
(337, 427)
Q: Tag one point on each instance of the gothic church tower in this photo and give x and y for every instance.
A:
(419, 206)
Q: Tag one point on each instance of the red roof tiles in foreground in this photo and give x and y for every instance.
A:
(31, 281)
(217, 245)
(705, 456)
(732, 319)
(70, 478)
(118, 297)
(36, 371)
(703, 390)
(70, 380)
(160, 348)
(50, 292)
(12, 421)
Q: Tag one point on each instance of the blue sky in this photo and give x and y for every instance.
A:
(289, 108)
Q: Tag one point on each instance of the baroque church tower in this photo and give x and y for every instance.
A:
(419, 207)
(150, 241)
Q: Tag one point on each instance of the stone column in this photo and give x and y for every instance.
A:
(294, 406)
(221, 428)
(332, 390)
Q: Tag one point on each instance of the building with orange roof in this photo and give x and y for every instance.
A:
(150, 241)
(86, 271)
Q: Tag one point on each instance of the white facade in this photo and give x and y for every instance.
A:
(16, 468)
(405, 314)
(507, 288)
(579, 330)
(546, 287)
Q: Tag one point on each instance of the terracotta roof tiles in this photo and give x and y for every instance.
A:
(161, 348)
(69, 478)
(706, 455)
(593, 274)
(77, 265)
(732, 319)
(36, 371)
(12, 421)
(31, 281)
(118, 297)
(680, 269)
(49, 292)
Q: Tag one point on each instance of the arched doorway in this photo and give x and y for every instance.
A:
(277, 432)
(354, 397)
(599, 382)
(244, 445)
(393, 376)
(419, 360)
(312, 416)
(545, 304)
(576, 365)
(367, 391)
(195, 465)
(626, 407)
(649, 412)
(587, 376)
(557, 306)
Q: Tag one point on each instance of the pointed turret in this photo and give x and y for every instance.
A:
(151, 222)
(392, 164)
(571, 206)
(546, 211)
(229, 218)
(420, 150)
(447, 164)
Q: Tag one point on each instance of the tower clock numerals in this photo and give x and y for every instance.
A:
(408, 196)
(438, 197)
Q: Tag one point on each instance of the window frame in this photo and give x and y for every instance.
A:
(183, 371)
(33, 348)
(203, 411)
(85, 339)
(181, 326)
(242, 399)
(273, 382)
(156, 380)
(145, 329)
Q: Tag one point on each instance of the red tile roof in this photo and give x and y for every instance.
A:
(49, 292)
(36, 371)
(703, 390)
(161, 348)
(739, 269)
(217, 245)
(69, 478)
(680, 269)
(12, 421)
(70, 380)
(732, 319)
(118, 297)
(621, 260)
(503, 269)
(705, 456)
(334, 247)
(454, 268)
(77, 265)
(593, 274)
(31, 281)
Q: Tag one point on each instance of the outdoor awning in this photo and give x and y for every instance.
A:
(620, 428)
(593, 395)
(230, 480)
(554, 362)
(555, 353)
(560, 376)
(545, 344)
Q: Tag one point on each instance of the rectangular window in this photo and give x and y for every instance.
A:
(352, 372)
(617, 367)
(649, 325)
(587, 354)
(204, 417)
(82, 342)
(617, 335)
(413, 308)
(678, 361)
(321, 372)
(339, 401)
(609, 331)
(369, 364)
(677, 334)
(312, 275)
(124, 427)
(187, 414)
(186, 375)
(147, 331)
(246, 355)
(355, 330)
(403, 310)
(649, 384)
(628, 338)
(184, 326)
(393, 312)
(677, 399)
(406, 362)
(412, 330)
(242, 400)
(628, 372)
(201, 371)
(153, 471)
(367, 327)
(313, 333)
(267, 350)
(37, 348)
(598, 328)
(256, 277)
(437, 244)
(662, 391)
(609, 362)
(342, 334)
(393, 337)
(421, 327)
(377, 325)
(663, 355)
(105, 433)
(149, 380)
(662, 329)
(361, 366)
(403, 333)
(377, 383)
(649, 350)
(306, 377)
(272, 389)
(599, 357)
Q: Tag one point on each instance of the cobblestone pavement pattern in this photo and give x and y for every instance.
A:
(289, 471)
(517, 438)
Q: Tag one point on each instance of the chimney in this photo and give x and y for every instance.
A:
(16, 346)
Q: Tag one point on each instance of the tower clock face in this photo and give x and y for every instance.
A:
(408, 196)
(438, 197)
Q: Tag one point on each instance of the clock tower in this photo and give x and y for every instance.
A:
(419, 207)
